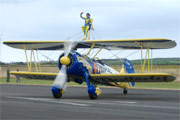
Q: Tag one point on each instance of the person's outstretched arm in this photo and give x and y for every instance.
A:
(82, 16)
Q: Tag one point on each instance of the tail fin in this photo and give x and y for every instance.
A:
(129, 68)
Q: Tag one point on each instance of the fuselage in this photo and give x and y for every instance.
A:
(80, 64)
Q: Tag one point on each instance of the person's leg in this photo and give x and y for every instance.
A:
(86, 32)
(83, 29)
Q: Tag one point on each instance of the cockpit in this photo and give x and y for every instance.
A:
(99, 61)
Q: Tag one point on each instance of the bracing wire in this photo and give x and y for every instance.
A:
(132, 53)
(73, 36)
(47, 57)
(93, 36)
(96, 34)
(117, 53)
(50, 54)
(124, 57)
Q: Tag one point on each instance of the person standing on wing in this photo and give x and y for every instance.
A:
(88, 25)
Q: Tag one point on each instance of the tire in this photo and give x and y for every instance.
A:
(93, 97)
(57, 95)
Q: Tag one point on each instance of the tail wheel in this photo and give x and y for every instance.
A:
(91, 96)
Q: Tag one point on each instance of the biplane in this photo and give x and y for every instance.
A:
(81, 68)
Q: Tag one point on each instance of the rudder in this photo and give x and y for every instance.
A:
(129, 68)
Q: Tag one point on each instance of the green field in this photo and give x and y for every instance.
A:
(156, 61)
(164, 85)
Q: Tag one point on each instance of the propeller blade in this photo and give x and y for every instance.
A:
(61, 79)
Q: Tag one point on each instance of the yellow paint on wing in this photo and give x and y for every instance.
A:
(33, 73)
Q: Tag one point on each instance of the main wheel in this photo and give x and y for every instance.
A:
(91, 96)
(58, 94)
(125, 92)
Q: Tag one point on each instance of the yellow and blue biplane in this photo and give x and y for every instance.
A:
(81, 68)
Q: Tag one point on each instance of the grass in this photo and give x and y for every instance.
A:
(28, 81)
(33, 82)
(156, 61)
(163, 85)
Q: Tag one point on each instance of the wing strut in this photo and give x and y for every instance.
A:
(89, 50)
(37, 65)
(143, 63)
(96, 54)
(26, 58)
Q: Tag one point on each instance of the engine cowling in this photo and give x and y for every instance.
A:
(71, 61)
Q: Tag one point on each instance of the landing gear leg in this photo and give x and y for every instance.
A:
(93, 91)
(125, 91)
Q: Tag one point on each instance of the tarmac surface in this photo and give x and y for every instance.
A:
(36, 102)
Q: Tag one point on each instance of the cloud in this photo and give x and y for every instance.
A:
(113, 19)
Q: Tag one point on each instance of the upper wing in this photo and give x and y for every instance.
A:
(152, 43)
(133, 77)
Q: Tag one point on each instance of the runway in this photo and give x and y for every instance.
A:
(36, 102)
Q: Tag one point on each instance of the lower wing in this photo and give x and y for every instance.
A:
(105, 78)
(133, 77)
(35, 75)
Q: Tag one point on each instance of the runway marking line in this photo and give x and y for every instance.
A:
(50, 100)
(128, 103)
(89, 102)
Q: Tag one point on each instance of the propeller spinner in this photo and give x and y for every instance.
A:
(65, 60)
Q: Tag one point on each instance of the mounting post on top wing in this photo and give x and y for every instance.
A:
(89, 50)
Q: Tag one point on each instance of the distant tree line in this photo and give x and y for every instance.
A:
(156, 61)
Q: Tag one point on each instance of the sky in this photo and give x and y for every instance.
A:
(25, 20)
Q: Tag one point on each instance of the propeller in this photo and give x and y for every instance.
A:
(61, 79)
